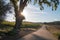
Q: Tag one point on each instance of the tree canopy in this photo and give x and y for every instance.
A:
(50, 3)
(3, 9)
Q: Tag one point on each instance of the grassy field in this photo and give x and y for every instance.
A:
(26, 27)
(6, 26)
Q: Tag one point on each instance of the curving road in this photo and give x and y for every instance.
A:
(41, 34)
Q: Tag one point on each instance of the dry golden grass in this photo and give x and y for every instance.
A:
(54, 29)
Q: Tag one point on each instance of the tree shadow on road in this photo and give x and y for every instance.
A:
(34, 37)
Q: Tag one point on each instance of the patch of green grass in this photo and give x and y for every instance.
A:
(8, 23)
(30, 25)
(6, 26)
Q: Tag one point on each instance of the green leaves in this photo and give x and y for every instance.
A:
(50, 3)
(3, 9)
(29, 1)
(35, 1)
(55, 4)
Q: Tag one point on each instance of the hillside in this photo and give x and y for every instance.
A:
(53, 23)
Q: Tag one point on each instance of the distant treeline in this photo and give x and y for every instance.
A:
(30, 25)
(53, 23)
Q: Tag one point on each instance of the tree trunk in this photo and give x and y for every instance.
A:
(18, 22)
(15, 32)
(18, 15)
(19, 18)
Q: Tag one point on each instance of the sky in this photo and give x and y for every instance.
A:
(33, 13)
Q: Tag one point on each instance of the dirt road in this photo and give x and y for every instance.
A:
(41, 34)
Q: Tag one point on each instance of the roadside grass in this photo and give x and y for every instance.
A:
(6, 26)
(26, 28)
(55, 30)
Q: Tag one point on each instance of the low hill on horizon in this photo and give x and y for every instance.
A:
(54, 22)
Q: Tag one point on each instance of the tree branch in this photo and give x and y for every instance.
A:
(22, 4)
